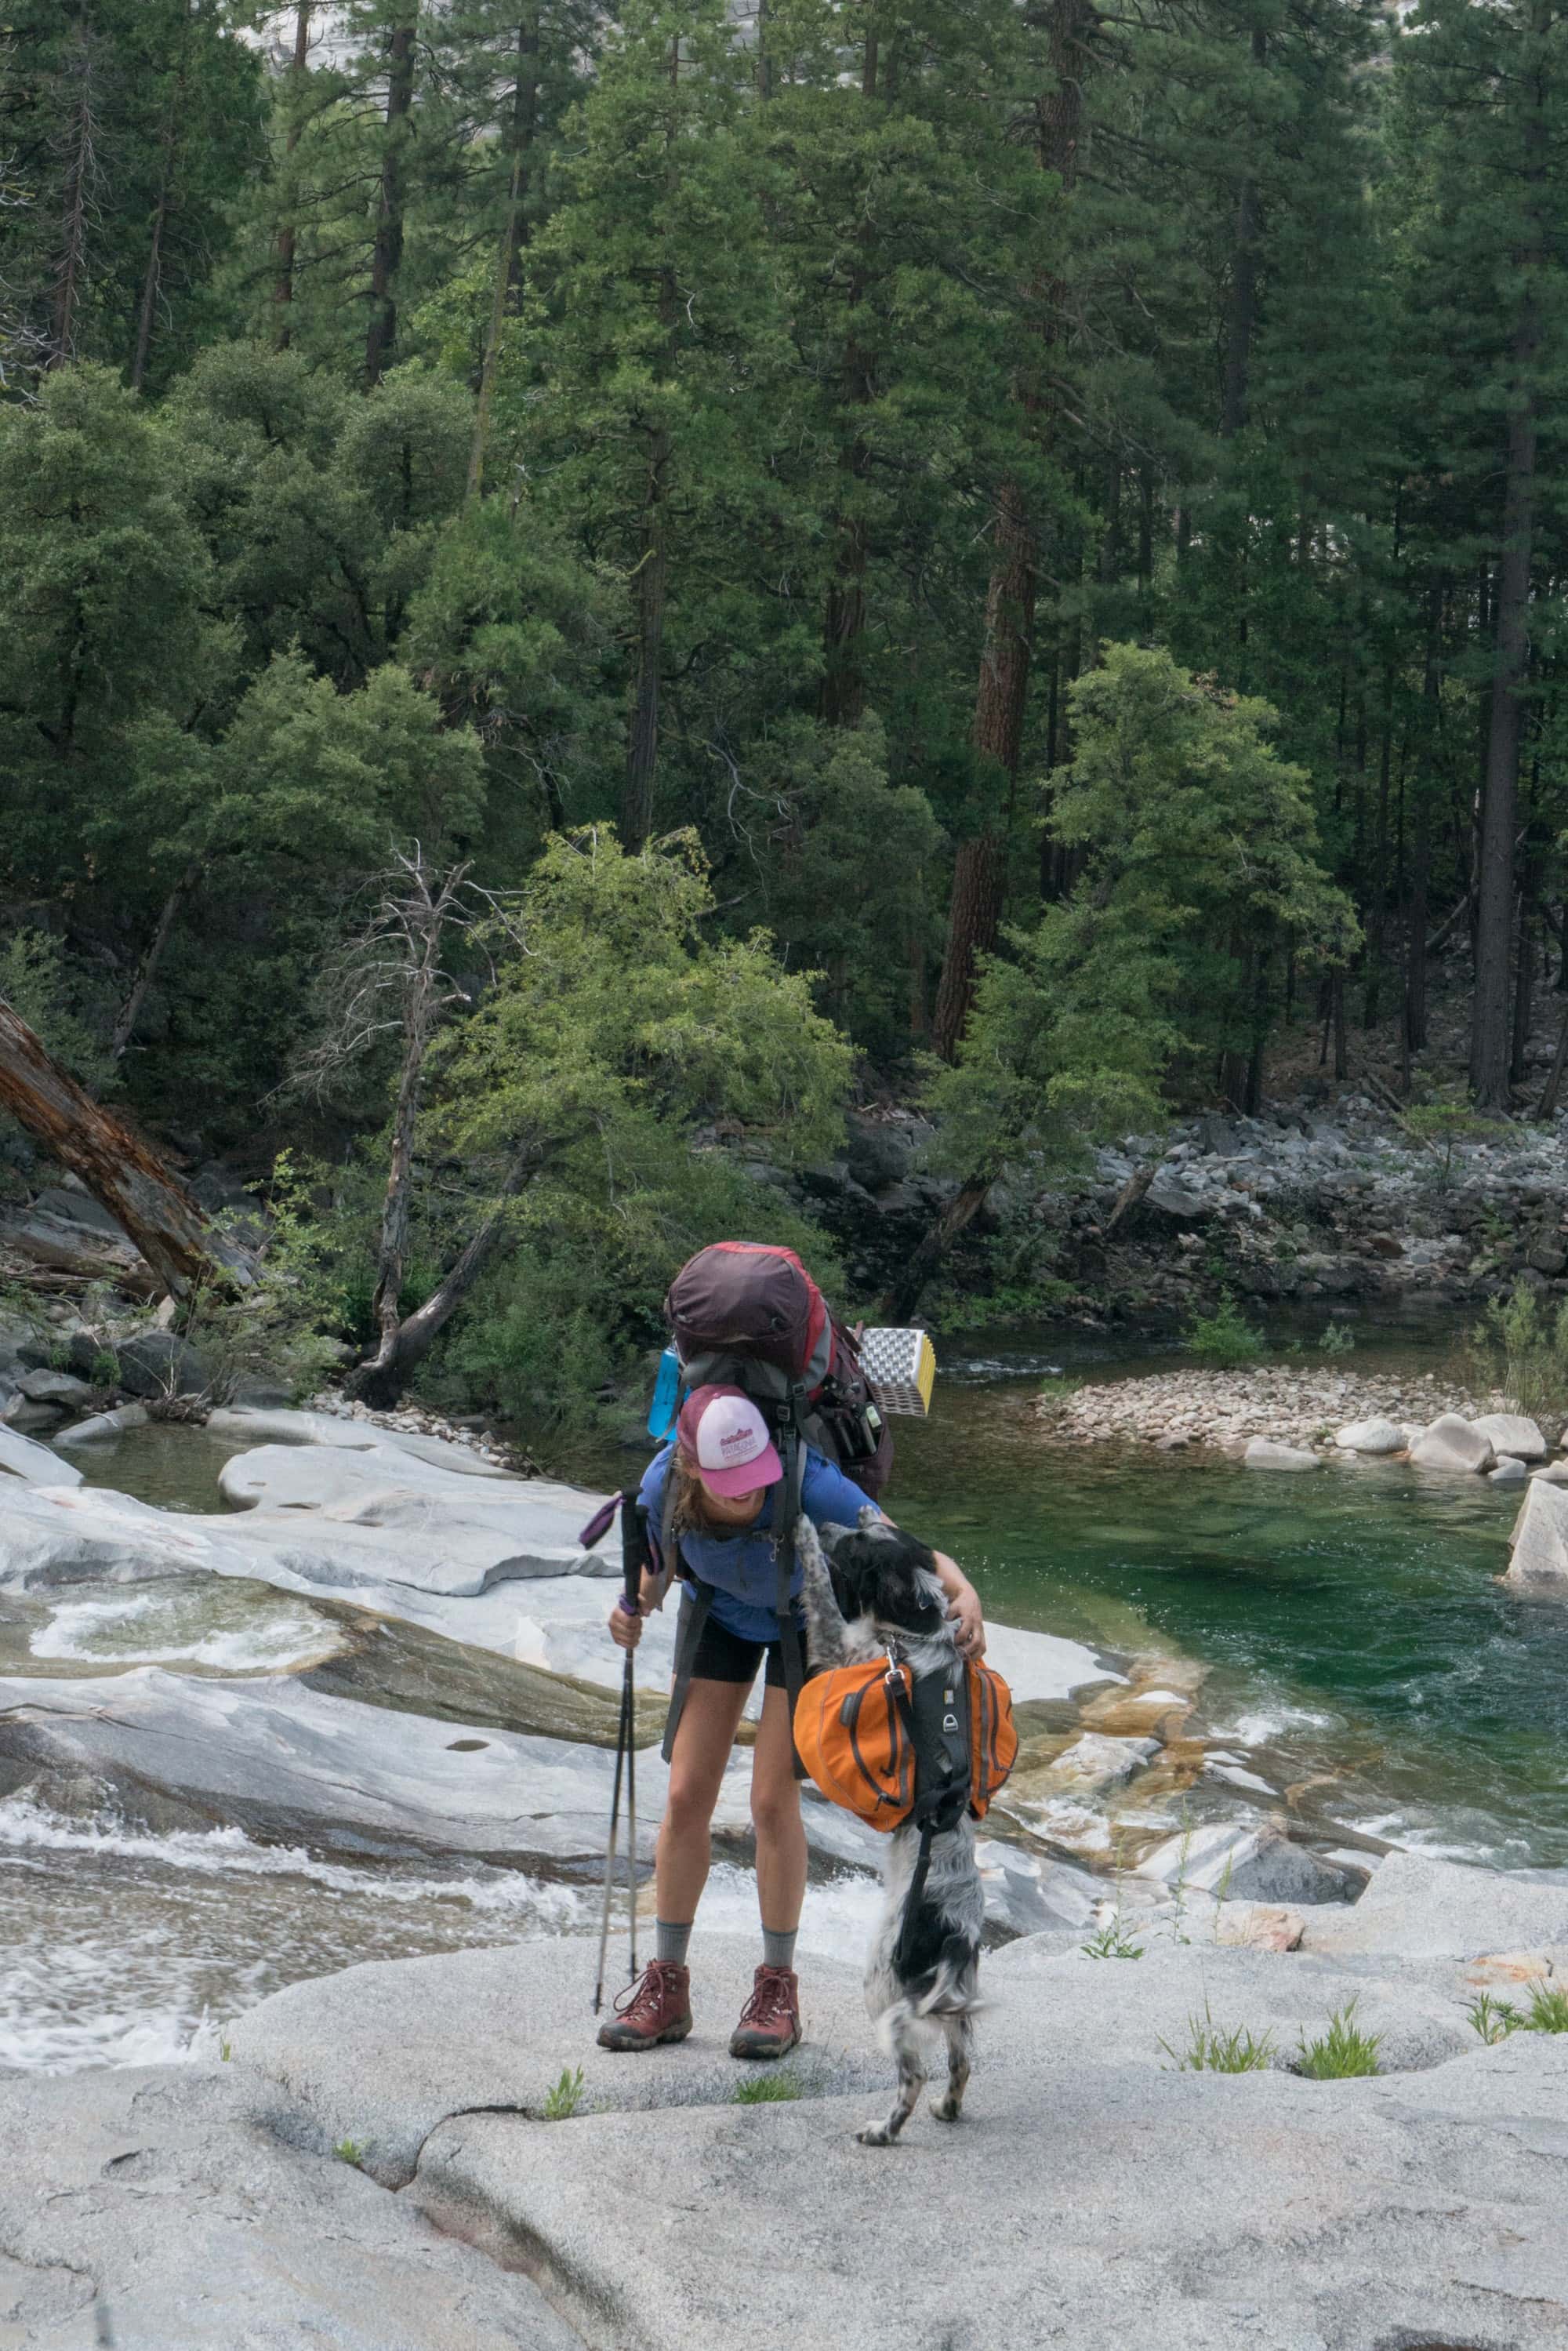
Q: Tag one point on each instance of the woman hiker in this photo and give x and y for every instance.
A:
(728, 1479)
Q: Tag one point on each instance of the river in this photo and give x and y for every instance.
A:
(1355, 1638)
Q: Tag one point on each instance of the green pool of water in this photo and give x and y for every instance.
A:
(1350, 1617)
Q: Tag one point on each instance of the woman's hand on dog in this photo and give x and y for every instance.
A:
(965, 1613)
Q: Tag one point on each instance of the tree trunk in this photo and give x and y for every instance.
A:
(960, 1213)
(144, 1197)
(1550, 1099)
(77, 178)
(152, 279)
(514, 237)
(1002, 696)
(418, 1021)
(1499, 805)
(841, 699)
(287, 233)
(649, 585)
(380, 1383)
(386, 257)
(1243, 316)
(130, 1010)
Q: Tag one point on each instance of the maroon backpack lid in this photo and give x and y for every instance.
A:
(745, 1298)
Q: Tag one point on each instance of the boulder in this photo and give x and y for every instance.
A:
(162, 2209)
(1239, 1862)
(27, 1413)
(1511, 1432)
(57, 1388)
(1093, 1763)
(1265, 1453)
(1453, 1444)
(35, 1463)
(160, 1363)
(1416, 1908)
(103, 1425)
(1508, 1472)
(1538, 1547)
(1371, 1437)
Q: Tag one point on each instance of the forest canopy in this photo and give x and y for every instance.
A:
(1026, 538)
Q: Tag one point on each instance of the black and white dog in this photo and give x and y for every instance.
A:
(871, 1591)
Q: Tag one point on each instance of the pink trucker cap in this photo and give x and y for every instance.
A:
(723, 1435)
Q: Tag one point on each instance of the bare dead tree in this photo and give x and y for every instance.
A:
(390, 979)
(81, 181)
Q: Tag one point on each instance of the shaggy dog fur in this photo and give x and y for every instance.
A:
(871, 1589)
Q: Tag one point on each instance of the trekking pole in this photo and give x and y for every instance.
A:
(625, 1752)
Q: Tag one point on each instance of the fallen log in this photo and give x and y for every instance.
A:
(144, 1197)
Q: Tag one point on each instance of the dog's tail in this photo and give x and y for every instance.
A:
(952, 1989)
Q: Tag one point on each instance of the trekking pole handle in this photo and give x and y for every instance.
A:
(633, 1554)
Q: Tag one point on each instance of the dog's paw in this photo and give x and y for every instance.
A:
(875, 2134)
(948, 2108)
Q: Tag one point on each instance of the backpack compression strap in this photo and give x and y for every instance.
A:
(935, 1718)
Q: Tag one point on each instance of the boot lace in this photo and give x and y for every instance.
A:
(642, 2001)
(772, 2003)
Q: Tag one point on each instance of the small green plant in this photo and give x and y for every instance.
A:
(1518, 1350)
(1548, 2010)
(349, 2150)
(1224, 1337)
(561, 2102)
(1341, 2052)
(765, 2090)
(226, 2048)
(1111, 1942)
(1061, 1384)
(105, 1368)
(1211, 2050)
(1438, 1125)
(1494, 2020)
(1337, 1340)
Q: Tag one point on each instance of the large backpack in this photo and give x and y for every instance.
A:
(875, 1740)
(743, 1314)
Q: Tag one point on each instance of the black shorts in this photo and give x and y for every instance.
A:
(723, 1657)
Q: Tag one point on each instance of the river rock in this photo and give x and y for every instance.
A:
(162, 2210)
(1237, 1860)
(1371, 1437)
(331, 2041)
(60, 1389)
(103, 1425)
(1093, 1763)
(33, 1463)
(1508, 1472)
(1264, 1453)
(160, 1364)
(26, 1414)
(1538, 1547)
(1417, 1907)
(1511, 1432)
(344, 1432)
(1451, 1443)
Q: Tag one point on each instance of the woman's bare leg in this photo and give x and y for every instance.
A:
(776, 1817)
(709, 1720)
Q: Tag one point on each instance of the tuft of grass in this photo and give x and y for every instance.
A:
(1111, 1942)
(1224, 1337)
(1337, 1340)
(1548, 2010)
(765, 2090)
(1211, 2050)
(1494, 2020)
(1341, 2053)
(351, 2150)
(561, 2102)
(226, 2050)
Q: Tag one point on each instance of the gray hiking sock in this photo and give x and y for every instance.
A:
(778, 1950)
(671, 1942)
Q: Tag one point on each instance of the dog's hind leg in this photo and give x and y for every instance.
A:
(960, 2036)
(903, 2034)
(825, 1626)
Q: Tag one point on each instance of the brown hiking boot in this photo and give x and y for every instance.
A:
(658, 2007)
(771, 2022)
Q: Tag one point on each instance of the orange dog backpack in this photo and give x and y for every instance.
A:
(888, 1746)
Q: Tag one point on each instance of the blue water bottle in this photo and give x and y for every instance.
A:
(666, 1396)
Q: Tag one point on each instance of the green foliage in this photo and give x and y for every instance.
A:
(767, 2090)
(350, 2151)
(1548, 2010)
(36, 983)
(1520, 1347)
(1113, 1941)
(1336, 1338)
(1442, 1123)
(560, 2099)
(1211, 2049)
(1494, 2020)
(1341, 2053)
(1224, 1338)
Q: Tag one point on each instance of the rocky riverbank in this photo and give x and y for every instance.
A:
(1288, 1403)
(377, 2164)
